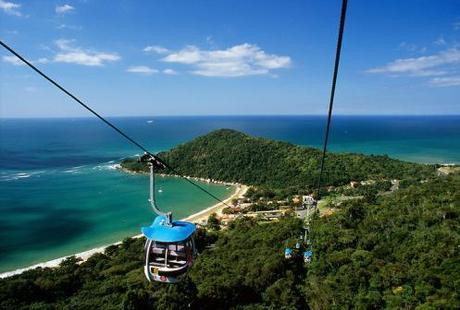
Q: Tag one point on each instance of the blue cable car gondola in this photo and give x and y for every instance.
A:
(170, 247)
(307, 255)
(288, 253)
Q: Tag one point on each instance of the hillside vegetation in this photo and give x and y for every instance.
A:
(400, 252)
(396, 250)
(233, 156)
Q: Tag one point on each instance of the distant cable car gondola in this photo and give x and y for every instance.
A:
(170, 247)
(288, 253)
(307, 256)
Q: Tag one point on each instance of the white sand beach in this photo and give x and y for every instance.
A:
(198, 218)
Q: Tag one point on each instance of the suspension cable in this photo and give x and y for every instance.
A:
(331, 100)
(68, 93)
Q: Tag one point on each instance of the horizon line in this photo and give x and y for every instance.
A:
(228, 115)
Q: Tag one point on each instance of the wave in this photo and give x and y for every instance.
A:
(114, 166)
(22, 175)
(9, 175)
(5, 176)
(107, 167)
(75, 170)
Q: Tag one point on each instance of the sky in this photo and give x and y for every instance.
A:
(230, 57)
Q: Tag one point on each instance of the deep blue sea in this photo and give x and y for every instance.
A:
(60, 193)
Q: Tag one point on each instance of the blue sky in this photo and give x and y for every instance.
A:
(224, 57)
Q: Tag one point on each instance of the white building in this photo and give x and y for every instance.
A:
(308, 200)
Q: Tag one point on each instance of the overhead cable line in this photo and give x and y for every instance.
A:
(68, 93)
(331, 100)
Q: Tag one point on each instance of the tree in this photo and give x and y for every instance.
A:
(213, 222)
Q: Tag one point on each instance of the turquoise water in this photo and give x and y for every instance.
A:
(59, 193)
(48, 214)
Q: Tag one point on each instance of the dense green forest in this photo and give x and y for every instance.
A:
(233, 156)
(399, 252)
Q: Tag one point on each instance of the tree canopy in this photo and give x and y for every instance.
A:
(399, 252)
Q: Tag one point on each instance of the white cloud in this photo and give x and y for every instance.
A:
(85, 58)
(441, 68)
(63, 9)
(239, 60)
(145, 70)
(437, 64)
(170, 72)
(64, 44)
(12, 32)
(76, 55)
(412, 47)
(156, 49)
(13, 60)
(10, 8)
(456, 25)
(188, 55)
(69, 54)
(17, 62)
(71, 27)
(210, 40)
(440, 41)
(445, 81)
(42, 60)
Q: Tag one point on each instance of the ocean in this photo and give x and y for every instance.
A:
(61, 194)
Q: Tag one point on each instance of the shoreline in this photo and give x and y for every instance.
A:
(165, 175)
(196, 218)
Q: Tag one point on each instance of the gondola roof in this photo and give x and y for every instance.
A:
(159, 231)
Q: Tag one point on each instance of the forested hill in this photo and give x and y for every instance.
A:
(229, 155)
(400, 252)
